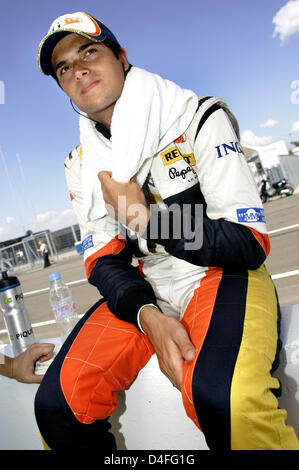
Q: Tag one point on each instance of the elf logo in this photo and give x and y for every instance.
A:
(72, 20)
(180, 140)
(225, 149)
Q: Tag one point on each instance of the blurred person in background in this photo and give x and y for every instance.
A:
(43, 249)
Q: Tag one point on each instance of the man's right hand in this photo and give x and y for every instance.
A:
(170, 341)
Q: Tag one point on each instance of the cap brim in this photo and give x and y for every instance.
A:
(49, 42)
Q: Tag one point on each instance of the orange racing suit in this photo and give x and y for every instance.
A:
(209, 275)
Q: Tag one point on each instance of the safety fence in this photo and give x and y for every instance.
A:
(26, 252)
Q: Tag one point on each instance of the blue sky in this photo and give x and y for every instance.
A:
(227, 48)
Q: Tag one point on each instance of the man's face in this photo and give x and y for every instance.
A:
(90, 75)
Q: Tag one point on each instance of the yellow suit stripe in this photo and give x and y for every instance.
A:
(256, 421)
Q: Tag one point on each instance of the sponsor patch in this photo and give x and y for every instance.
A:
(190, 159)
(87, 243)
(251, 215)
(172, 155)
(228, 148)
(174, 173)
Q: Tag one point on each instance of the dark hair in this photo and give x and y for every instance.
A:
(116, 49)
(114, 46)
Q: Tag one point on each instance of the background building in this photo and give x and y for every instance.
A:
(275, 161)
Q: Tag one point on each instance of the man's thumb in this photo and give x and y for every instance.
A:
(189, 353)
(187, 349)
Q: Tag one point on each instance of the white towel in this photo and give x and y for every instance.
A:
(150, 113)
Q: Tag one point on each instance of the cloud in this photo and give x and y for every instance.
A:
(53, 220)
(50, 220)
(249, 138)
(5, 233)
(286, 20)
(9, 229)
(295, 126)
(269, 123)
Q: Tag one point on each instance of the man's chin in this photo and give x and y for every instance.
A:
(102, 115)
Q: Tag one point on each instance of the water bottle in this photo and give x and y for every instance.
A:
(15, 314)
(62, 304)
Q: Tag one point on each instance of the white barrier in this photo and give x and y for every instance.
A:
(150, 414)
(288, 371)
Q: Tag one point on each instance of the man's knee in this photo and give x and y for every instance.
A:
(60, 429)
(257, 422)
(51, 417)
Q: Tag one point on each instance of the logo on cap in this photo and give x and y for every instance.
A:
(80, 22)
(72, 20)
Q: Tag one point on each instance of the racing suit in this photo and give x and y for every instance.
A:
(207, 271)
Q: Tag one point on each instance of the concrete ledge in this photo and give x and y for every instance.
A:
(150, 414)
(288, 371)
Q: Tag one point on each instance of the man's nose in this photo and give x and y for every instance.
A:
(79, 70)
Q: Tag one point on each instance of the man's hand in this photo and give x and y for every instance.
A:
(125, 202)
(170, 341)
(22, 367)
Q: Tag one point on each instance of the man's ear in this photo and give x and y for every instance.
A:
(124, 59)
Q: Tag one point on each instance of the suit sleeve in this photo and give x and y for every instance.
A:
(107, 256)
(230, 231)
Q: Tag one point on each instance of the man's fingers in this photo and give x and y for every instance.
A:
(172, 364)
(173, 373)
(41, 351)
(45, 357)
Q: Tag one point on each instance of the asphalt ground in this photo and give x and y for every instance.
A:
(284, 258)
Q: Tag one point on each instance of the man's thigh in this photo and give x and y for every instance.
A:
(233, 321)
(105, 357)
(101, 356)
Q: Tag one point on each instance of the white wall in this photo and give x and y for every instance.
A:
(150, 414)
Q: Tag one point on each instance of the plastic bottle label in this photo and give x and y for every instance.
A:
(63, 308)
